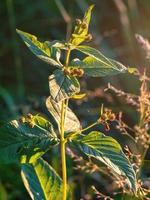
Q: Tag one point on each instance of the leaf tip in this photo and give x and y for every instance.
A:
(17, 30)
(91, 6)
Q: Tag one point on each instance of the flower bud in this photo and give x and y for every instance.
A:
(112, 117)
(106, 126)
(78, 22)
(89, 38)
(31, 124)
(84, 25)
(29, 116)
(67, 71)
(80, 72)
(22, 119)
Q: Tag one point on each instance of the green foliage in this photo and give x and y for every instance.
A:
(45, 51)
(20, 142)
(71, 124)
(80, 33)
(96, 64)
(107, 150)
(28, 140)
(62, 86)
(41, 181)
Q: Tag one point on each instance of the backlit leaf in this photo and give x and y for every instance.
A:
(62, 86)
(71, 124)
(41, 181)
(96, 64)
(19, 142)
(45, 51)
(107, 150)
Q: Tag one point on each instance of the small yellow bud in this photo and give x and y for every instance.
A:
(31, 124)
(84, 25)
(22, 119)
(29, 116)
(78, 21)
(89, 38)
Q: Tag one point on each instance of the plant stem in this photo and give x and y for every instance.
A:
(63, 153)
(80, 131)
(67, 57)
(62, 139)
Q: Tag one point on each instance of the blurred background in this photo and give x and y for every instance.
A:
(24, 78)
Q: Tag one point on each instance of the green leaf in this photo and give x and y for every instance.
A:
(62, 86)
(71, 124)
(45, 51)
(80, 33)
(41, 181)
(96, 64)
(107, 150)
(19, 142)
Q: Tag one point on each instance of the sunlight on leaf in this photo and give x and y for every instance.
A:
(96, 64)
(107, 150)
(41, 181)
(44, 51)
(72, 123)
(62, 86)
(20, 142)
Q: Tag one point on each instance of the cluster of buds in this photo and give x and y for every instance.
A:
(106, 117)
(82, 26)
(71, 71)
(29, 119)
